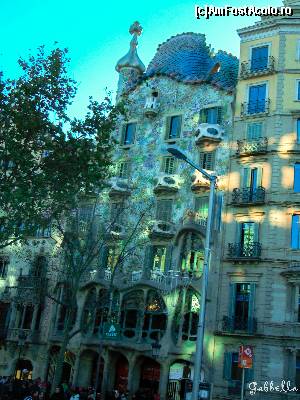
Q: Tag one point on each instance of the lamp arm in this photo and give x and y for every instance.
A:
(204, 173)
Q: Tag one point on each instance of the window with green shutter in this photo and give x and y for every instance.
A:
(201, 206)
(124, 169)
(173, 128)
(159, 258)
(207, 160)
(164, 210)
(169, 165)
(211, 115)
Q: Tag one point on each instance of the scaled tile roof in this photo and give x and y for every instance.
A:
(187, 58)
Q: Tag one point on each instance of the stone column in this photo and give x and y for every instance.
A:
(108, 373)
(13, 316)
(163, 380)
(133, 375)
(76, 369)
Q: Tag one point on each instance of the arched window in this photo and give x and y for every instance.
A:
(102, 308)
(155, 317)
(88, 314)
(186, 316)
(192, 254)
(132, 306)
(63, 296)
(190, 316)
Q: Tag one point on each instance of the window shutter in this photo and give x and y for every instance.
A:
(169, 252)
(232, 296)
(256, 232)
(297, 178)
(148, 260)
(259, 176)
(246, 177)
(178, 131)
(201, 160)
(104, 256)
(218, 211)
(251, 308)
(123, 133)
(219, 115)
(203, 116)
(168, 127)
(227, 366)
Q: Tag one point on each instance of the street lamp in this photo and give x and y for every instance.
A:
(176, 152)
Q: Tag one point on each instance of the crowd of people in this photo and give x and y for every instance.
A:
(27, 389)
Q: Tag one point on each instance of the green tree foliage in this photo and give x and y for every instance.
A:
(47, 159)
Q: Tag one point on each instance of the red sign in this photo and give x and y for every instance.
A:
(246, 357)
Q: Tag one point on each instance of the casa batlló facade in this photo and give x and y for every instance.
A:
(239, 120)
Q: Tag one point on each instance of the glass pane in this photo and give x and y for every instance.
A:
(174, 127)
(212, 115)
(129, 133)
(298, 130)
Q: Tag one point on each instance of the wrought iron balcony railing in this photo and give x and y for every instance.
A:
(241, 251)
(248, 195)
(258, 146)
(255, 107)
(257, 67)
(237, 323)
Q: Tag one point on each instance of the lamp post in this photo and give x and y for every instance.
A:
(176, 152)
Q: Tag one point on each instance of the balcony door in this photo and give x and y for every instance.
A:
(252, 180)
(259, 58)
(257, 99)
(249, 235)
(242, 306)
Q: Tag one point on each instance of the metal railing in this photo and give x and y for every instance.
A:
(236, 323)
(258, 146)
(259, 66)
(255, 107)
(250, 250)
(248, 195)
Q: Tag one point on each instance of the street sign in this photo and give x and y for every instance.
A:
(111, 331)
(204, 391)
(245, 357)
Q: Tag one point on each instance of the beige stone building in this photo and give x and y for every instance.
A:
(259, 280)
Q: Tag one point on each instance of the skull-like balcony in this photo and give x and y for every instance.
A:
(209, 133)
(151, 107)
(199, 182)
(162, 229)
(119, 187)
(167, 183)
(252, 147)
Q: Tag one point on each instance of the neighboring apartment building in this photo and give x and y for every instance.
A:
(259, 297)
(185, 97)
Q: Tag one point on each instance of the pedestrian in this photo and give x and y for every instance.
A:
(58, 394)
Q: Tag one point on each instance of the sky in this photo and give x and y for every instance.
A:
(96, 34)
